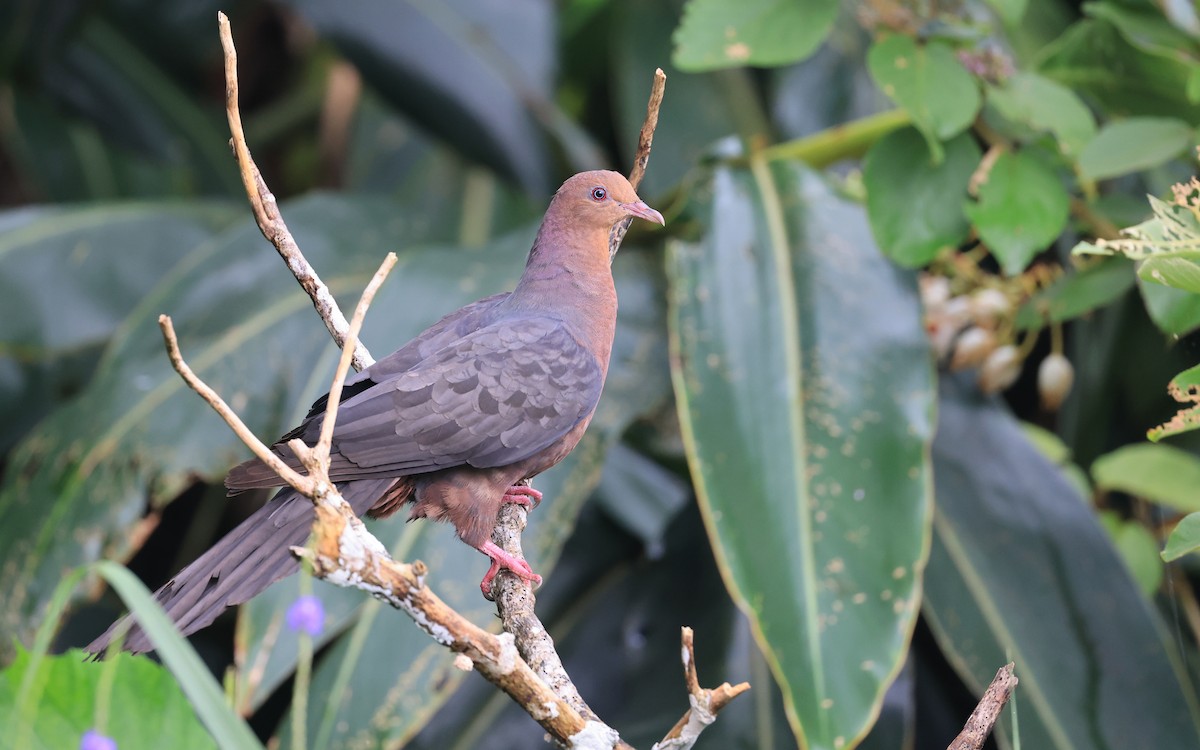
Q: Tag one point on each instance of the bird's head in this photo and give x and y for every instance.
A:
(602, 198)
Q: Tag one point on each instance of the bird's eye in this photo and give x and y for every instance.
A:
(599, 194)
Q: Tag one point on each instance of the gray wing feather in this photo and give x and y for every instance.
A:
(497, 396)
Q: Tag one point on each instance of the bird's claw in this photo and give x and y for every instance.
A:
(521, 494)
(506, 561)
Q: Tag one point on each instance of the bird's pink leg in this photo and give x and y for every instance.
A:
(502, 559)
(521, 494)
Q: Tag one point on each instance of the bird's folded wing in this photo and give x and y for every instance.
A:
(497, 396)
(436, 337)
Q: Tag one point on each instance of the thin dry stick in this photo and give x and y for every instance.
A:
(642, 156)
(705, 704)
(298, 481)
(514, 597)
(975, 732)
(266, 211)
(335, 388)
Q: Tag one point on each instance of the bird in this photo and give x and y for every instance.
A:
(453, 423)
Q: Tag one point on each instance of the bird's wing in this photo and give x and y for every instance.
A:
(497, 396)
(433, 339)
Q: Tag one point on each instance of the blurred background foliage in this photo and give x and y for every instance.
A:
(800, 452)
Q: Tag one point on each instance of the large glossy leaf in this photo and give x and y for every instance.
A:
(76, 485)
(805, 389)
(478, 74)
(1021, 570)
(68, 277)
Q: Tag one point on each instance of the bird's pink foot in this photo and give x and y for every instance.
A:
(522, 494)
(502, 559)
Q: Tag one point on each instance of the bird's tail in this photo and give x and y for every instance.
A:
(246, 560)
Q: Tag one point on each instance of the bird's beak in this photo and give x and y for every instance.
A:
(642, 211)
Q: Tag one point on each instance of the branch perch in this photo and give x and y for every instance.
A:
(266, 211)
(706, 704)
(985, 715)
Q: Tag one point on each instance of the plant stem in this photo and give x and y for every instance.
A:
(840, 142)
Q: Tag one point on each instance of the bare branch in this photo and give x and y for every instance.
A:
(347, 555)
(642, 156)
(706, 704)
(298, 481)
(266, 211)
(646, 135)
(339, 378)
(975, 732)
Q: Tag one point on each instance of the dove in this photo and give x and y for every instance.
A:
(453, 423)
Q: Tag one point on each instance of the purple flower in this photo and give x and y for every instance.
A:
(306, 615)
(93, 740)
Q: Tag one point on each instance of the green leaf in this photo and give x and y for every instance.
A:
(1093, 59)
(1138, 549)
(1022, 208)
(1184, 538)
(640, 495)
(145, 707)
(1021, 571)
(1178, 272)
(1047, 443)
(1174, 311)
(1045, 106)
(479, 75)
(1147, 29)
(1159, 473)
(915, 206)
(930, 83)
(227, 728)
(68, 277)
(806, 417)
(1010, 11)
(718, 34)
(1096, 285)
(1133, 145)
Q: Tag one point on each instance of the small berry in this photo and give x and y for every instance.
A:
(972, 347)
(1055, 378)
(988, 306)
(1000, 370)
